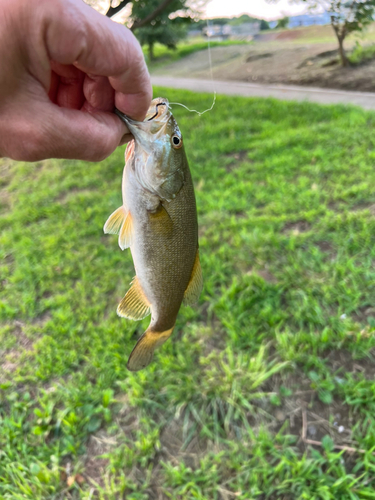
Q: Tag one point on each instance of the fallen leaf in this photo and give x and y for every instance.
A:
(70, 481)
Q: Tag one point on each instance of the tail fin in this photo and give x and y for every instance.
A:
(143, 351)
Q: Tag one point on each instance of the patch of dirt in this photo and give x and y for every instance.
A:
(307, 417)
(362, 314)
(176, 447)
(263, 273)
(9, 359)
(296, 228)
(324, 246)
(267, 276)
(331, 62)
(359, 207)
(5, 201)
(236, 158)
(66, 196)
(342, 361)
(283, 58)
(256, 57)
(94, 465)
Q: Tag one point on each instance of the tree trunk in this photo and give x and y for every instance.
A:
(344, 59)
(151, 51)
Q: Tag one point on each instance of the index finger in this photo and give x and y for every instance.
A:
(79, 35)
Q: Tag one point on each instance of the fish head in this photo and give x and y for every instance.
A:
(159, 155)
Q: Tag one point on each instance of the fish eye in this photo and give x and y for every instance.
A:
(176, 141)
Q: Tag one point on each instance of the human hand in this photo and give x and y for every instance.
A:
(63, 69)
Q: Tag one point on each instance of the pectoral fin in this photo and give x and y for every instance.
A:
(115, 221)
(135, 304)
(121, 223)
(143, 351)
(161, 221)
(126, 233)
(195, 285)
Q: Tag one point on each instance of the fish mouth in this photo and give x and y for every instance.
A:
(154, 124)
(158, 110)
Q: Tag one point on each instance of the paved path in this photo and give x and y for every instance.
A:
(286, 92)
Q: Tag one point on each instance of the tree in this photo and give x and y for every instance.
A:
(264, 25)
(237, 21)
(347, 16)
(282, 23)
(162, 21)
(114, 8)
(166, 28)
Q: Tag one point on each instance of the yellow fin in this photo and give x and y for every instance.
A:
(143, 351)
(114, 221)
(135, 304)
(161, 221)
(195, 285)
(126, 233)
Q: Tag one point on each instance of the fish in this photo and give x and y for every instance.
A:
(158, 222)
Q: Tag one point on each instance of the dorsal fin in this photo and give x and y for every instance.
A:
(126, 233)
(135, 304)
(114, 221)
(195, 285)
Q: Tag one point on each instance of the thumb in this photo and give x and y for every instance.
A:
(68, 133)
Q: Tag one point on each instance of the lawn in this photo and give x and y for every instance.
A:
(164, 55)
(266, 389)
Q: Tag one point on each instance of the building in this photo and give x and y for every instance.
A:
(309, 20)
(244, 31)
(217, 32)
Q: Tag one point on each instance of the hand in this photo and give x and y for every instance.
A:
(63, 69)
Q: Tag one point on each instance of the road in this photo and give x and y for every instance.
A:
(285, 92)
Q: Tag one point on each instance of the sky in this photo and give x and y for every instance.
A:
(254, 8)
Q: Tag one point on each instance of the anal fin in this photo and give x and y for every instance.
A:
(142, 354)
(135, 304)
(195, 285)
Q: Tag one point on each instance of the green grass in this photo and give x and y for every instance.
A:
(362, 54)
(284, 328)
(163, 55)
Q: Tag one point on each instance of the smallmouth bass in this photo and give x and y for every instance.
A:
(158, 221)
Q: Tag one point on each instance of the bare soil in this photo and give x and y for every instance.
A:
(286, 60)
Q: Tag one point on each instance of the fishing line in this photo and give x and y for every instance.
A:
(200, 113)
